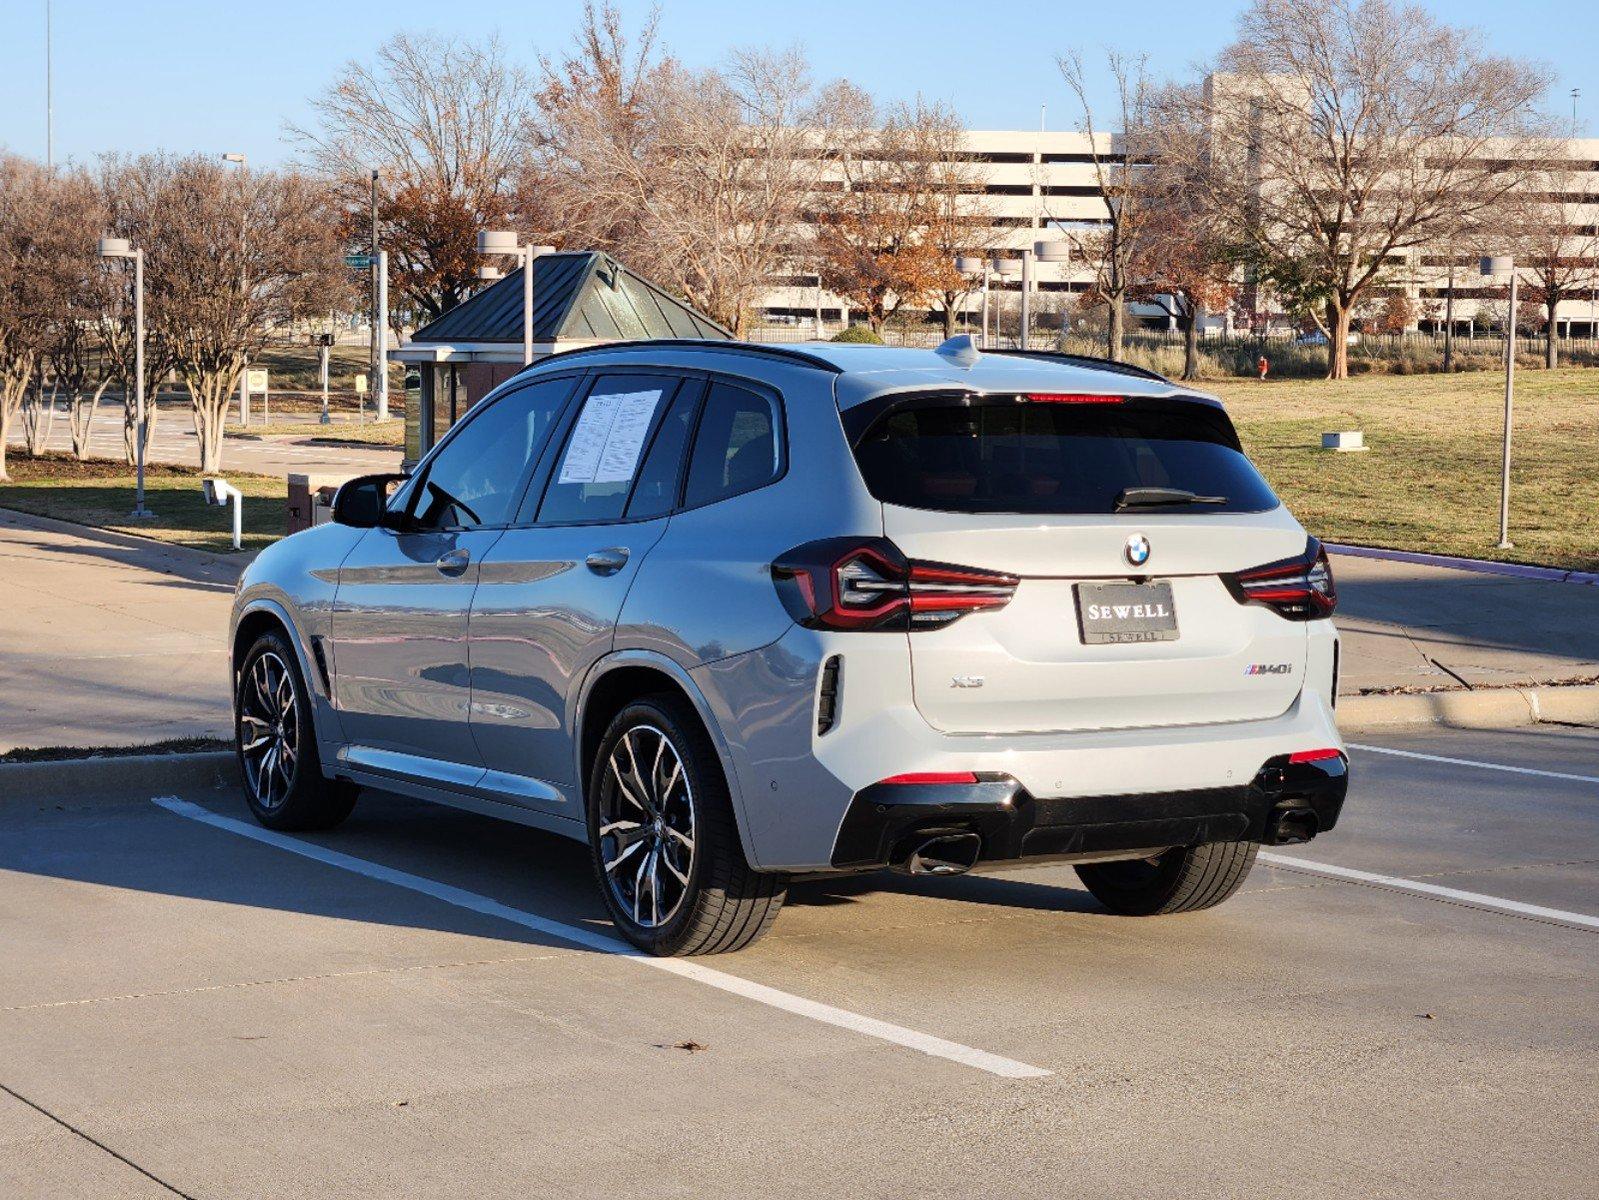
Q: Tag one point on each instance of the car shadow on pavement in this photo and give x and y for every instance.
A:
(1050, 896)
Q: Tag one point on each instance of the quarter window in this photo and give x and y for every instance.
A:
(736, 448)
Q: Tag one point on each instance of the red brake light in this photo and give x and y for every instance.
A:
(1309, 756)
(866, 583)
(916, 777)
(1073, 398)
(1299, 588)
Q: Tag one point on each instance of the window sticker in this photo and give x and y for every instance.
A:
(609, 437)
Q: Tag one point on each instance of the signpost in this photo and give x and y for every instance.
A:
(324, 343)
(255, 380)
(360, 395)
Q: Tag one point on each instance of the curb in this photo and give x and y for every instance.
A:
(225, 568)
(1482, 566)
(80, 779)
(1485, 708)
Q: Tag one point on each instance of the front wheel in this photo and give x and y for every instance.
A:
(276, 743)
(665, 845)
(1182, 879)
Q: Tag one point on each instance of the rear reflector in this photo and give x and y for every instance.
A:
(916, 777)
(1306, 756)
(1072, 398)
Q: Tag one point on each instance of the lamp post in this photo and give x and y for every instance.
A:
(1058, 252)
(1490, 266)
(115, 247)
(243, 163)
(975, 264)
(500, 241)
(818, 306)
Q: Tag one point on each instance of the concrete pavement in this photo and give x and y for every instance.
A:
(109, 644)
(1403, 624)
(174, 440)
(122, 644)
(290, 1027)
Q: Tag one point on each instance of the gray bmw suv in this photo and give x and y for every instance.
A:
(732, 614)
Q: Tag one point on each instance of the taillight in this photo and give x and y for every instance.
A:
(1310, 756)
(1299, 588)
(867, 584)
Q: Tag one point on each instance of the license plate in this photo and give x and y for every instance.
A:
(1126, 612)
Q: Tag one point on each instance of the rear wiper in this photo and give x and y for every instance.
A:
(1154, 497)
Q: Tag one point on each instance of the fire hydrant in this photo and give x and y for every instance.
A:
(1262, 366)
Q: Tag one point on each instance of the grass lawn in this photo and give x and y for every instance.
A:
(1431, 478)
(100, 493)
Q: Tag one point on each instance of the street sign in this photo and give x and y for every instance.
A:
(360, 262)
(257, 379)
(360, 385)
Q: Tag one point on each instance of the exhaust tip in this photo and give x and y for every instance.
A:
(1292, 826)
(943, 854)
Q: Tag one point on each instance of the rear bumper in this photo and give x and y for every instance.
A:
(1283, 803)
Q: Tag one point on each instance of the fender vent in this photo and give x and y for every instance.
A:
(827, 703)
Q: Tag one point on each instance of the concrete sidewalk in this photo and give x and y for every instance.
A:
(115, 641)
(109, 643)
(1410, 626)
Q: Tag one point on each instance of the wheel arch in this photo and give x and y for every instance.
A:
(627, 675)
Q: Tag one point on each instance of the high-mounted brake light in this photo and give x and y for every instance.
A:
(1072, 398)
(932, 777)
(867, 584)
(1299, 588)
(1310, 756)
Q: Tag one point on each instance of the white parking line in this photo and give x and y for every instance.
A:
(1476, 899)
(825, 1013)
(1472, 762)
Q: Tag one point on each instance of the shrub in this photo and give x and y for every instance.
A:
(862, 334)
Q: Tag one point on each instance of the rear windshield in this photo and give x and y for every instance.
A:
(1015, 455)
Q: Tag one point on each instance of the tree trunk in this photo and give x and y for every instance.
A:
(82, 418)
(209, 394)
(1196, 313)
(1551, 351)
(1338, 340)
(949, 317)
(5, 436)
(1114, 330)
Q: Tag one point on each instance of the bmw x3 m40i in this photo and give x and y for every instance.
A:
(733, 614)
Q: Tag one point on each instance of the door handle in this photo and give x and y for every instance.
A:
(454, 563)
(608, 561)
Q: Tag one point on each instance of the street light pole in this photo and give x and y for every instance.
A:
(244, 374)
(500, 241)
(115, 247)
(378, 285)
(1500, 265)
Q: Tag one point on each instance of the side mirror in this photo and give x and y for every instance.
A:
(362, 503)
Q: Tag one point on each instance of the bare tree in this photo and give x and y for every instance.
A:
(875, 243)
(1555, 242)
(1121, 172)
(1343, 133)
(31, 237)
(444, 121)
(960, 214)
(230, 255)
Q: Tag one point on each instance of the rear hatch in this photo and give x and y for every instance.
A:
(1120, 519)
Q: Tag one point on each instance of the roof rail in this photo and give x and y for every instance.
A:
(1087, 360)
(773, 351)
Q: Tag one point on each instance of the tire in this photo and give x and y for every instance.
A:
(1183, 879)
(275, 740)
(692, 891)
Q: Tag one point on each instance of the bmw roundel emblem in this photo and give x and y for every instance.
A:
(1137, 550)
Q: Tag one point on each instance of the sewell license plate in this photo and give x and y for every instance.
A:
(1125, 612)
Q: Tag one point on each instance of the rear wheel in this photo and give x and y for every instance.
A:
(665, 845)
(1182, 879)
(276, 743)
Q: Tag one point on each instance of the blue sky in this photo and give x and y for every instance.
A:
(135, 75)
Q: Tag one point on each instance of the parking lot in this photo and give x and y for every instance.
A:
(426, 1002)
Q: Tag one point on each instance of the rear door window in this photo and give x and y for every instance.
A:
(595, 473)
(1019, 455)
(736, 448)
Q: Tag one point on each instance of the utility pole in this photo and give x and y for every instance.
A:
(49, 93)
(379, 370)
(382, 397)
